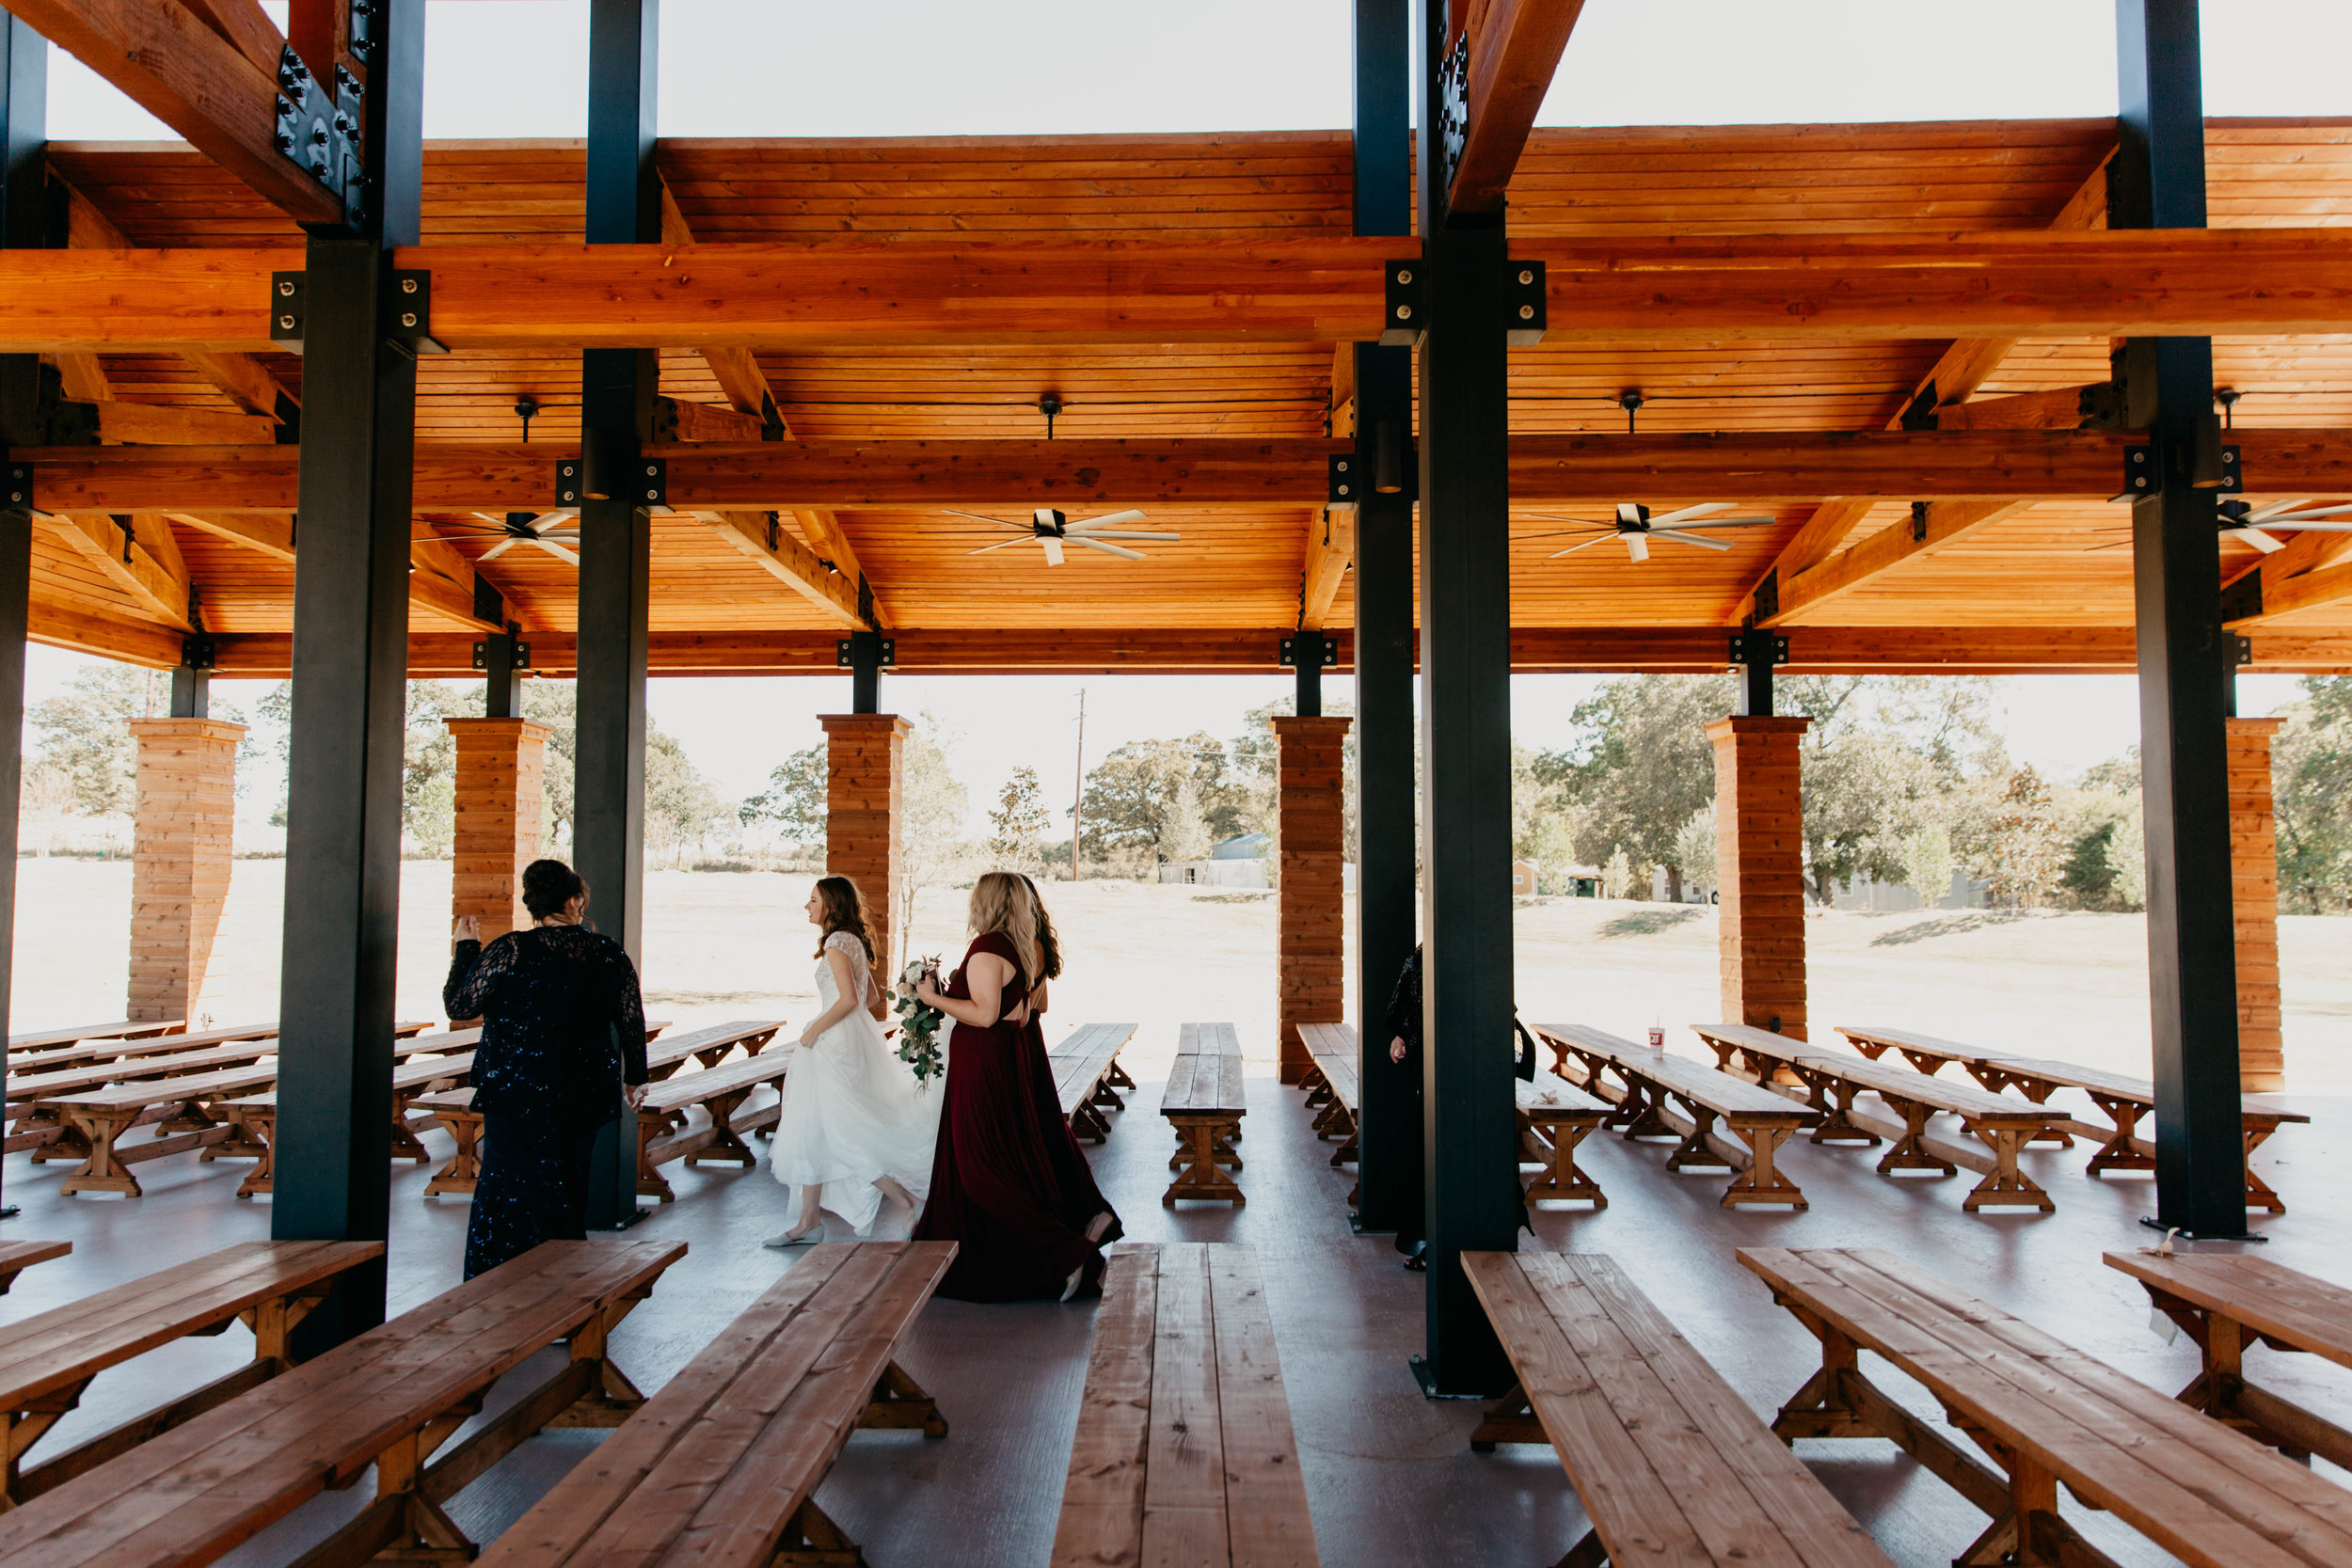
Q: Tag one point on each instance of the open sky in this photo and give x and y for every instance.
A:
(794, 68)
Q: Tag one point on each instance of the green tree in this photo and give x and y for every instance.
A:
(1018, 822)
(1694, 850)
(1646, 766)
(1928, 864)
(554, 703)
(1617, 875)
(2029, 847)
(428, 781)
(2310, 765)
(85, 736)
(795, 798)
(1129, 794)
(932, 805)
(681, 808)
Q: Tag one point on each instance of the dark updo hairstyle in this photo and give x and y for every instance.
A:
(1048, 945)
(845, 910)
(548, 885)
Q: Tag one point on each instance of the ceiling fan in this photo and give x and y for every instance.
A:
(1051, 531)
(530, 527)
(1636, 527)
(2259, 525)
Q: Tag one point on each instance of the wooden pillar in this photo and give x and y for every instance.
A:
(863, 823)
(501, 801)
(1311, 978)
(1759, 870)
(2255, 906)
(180, 855)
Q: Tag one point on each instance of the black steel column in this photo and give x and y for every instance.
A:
(24, 163)
(1388, 1139)
(500, 660)
(192, 681)
(350, 676)
(616, 537)
(865, 668)
(1469, 1105)
(2157, 180)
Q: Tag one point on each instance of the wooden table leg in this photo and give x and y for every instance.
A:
(1834, 1098)
(2007, 1187)
(1201, 1175)
(725, 1146)
(1910, 1152)
(101, 1172)
(2260, 1194)
(1693, 1149)
(2117, 1153)
(1763, 1181)
(464, 1166)
(1562, 1178)
(260, 1126)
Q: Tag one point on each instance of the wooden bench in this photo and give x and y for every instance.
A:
(1334, 1085)
(1555, 1115)
(103, 1116)
(1648, 1086)
(1831, 1080)
(1205, 1101)
(1670, 1464)
(2123, 1099)
(389, 1399)
(48, 1360)
(2228, 1303)
(33, 1098)
(2043, 1413)
(257, 1114)
(49, 1039)
(16, 1256)
(719, 1091)
(721, 1466)
(1088, 1077)
(1184, 1452)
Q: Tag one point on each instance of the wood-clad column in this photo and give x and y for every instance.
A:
(1310, 984)
(863, 823)
(2255, 906)
(1759, 868)
(179, 859)
(502, 801)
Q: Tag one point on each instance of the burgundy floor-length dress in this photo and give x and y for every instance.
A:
(996, 1190)
(1081, 1199)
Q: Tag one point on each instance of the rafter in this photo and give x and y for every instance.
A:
(1514, 50)
(1330, 550)
(788, 560)
(84, 626)
(264, 535)
(169, 425)
(2311, 572)
(2060, 408)
(129, 565)
(1945, 524)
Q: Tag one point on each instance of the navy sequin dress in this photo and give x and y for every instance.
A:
(562, 1030)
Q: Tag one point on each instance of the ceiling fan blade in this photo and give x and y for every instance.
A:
(1000, 544)
(557, 551)
(1077, 538)
(1105, 520)
(1052, 549)
(498, 549)
(2264, 513)
(1555, 517)
(1701, 510)
(547, 522)
(2299, 526)
(1636, 545)
(978, 518)
(1120, 550)
(1595, 539)
(2267, 543)
(1681, 538)
(1714, 522)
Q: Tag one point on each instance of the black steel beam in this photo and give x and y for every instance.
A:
(24, 143)
(350, 696)
(2157, 180)
(1468, 1099)
(1387, 1138)
(617, 388)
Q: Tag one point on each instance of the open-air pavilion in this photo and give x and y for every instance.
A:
(308, 396)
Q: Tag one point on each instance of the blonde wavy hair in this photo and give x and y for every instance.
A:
(1001, 902)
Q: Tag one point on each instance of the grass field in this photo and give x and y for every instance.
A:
(722, 945)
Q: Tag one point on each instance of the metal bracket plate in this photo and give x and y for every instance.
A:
(1453, 106)
(197, 652)
(1767, 596)
(2144, 476)
(2242, 601)
(1405, 314)
(285, 311)
(1745, 650)
(1524, 294)
(1347, 484)
(1317, 646)
(650, 485)
(889, 653)
(320, 131)
(19, 494)
(408, 315)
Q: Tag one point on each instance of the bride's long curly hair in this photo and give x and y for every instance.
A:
(845, 910)
(1001, 902)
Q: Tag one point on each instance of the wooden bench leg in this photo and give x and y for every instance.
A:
(1346, 1151)
(2260, 1194)
(900, 1404)
(1105, 1093)
(1317, 1087)
(2117, 1153)
(1910, 1152)
(650, 1181)
(1509, 1420)
(1200, 1175)
(464, 1166)
(1833, 1101)
(260, 1127)
(1116, 1076)
(2007, 1187)
(1762, 1182)
(1562, 1178)
(726, 1146)
(813, 1540)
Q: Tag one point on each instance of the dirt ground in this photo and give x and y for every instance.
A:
(731, 944)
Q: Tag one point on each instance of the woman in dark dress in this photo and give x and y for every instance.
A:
(1082, 1202)
(1403, 1023)
(994, 1188)
(562, 1049)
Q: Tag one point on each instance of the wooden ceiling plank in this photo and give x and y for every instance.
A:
(1514, 51)
(128, 564)
(789, 561)
(1945, 524)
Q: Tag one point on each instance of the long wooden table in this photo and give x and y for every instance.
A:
(2044, 1414)
(49, 1039)
(1650, 1083)
(1555, 1115)
(257, 1114)
(1088, 1077)
(46, 1361)
(389, 1399)
(719, 1092)
(1184, 1453)
(2123, 1099)
(1205, 1101)
(103, 1116)
(721, 1468)
(1672, 1466)
(1833, 1079)
(2228, 1303)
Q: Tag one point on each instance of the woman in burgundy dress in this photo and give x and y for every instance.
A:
(994, 1189)
(1083, 1203)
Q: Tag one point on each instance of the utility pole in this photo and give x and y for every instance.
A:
(1078, 785)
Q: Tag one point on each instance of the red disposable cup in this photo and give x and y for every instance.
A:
(1657, 1037)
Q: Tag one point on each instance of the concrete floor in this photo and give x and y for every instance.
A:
(1389, 1475)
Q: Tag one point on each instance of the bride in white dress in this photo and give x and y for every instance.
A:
(855, 1128)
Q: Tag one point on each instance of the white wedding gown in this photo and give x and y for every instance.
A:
(853, 1112)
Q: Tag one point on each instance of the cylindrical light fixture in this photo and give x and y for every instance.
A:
(1389, 457)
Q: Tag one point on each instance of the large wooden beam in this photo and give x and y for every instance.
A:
(174, 61)
(1514, 49)
(130, 564)
(2311, 572)
(262, 534)
(1943, 524)
(84, 628)
(1330, 550)
(1284, 289)
(788, 560)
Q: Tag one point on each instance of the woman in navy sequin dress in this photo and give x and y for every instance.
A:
(563, 1050)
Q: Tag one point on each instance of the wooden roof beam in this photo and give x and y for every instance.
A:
(789, 561)
(1330, 551)
(2304, 576)
(1281, 289)
(131, 563)
(264, 535)
(1512, 50)
(1932, 528)
(206, 70)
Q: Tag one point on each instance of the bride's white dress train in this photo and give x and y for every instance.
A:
(853, 1112)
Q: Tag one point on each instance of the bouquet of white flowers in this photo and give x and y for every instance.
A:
(919, 1021)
